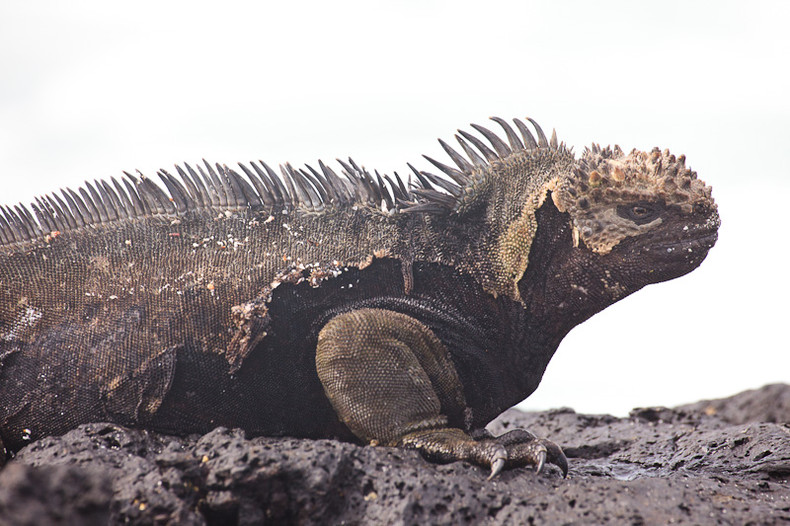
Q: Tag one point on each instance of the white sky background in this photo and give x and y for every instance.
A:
(88, 89)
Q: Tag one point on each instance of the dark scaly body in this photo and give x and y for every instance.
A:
(208, 313)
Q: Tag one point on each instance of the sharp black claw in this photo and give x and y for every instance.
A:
(561, 462)
(496, 467)
(542, 454)
(524, 448)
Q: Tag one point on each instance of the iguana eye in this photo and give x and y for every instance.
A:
(640, 213)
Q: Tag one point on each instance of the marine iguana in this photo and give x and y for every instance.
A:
(352, 306)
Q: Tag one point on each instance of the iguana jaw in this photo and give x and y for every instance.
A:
(669, 252)
(700, 241)
(583, 282)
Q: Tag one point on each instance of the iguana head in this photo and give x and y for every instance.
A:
(644, 208)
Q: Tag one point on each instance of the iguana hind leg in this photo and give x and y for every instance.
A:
(387, 374)
(391, 381)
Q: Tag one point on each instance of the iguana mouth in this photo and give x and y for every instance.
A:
(700, 241)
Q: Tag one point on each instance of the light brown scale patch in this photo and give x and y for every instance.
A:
(365, 263)
(317, 275)
(377, 254)
(515, 244)
(251, 320)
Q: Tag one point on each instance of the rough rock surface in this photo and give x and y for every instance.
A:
(715, 462)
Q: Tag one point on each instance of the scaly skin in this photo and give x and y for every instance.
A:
(314, 306)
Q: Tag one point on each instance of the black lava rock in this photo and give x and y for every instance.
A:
(723, 461)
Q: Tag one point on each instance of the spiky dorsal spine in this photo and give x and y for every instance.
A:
(216, 188)
(307, 190)
(470, 181)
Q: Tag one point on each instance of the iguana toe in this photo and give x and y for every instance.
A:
(561, 461)
(451, 445)
(537, 452)
(525, 448)
(496, 467)
(541, 460)
(516, 448)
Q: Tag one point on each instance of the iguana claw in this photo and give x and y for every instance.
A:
(541, 460)
(496, 467)
(524, 448)
(562, 462)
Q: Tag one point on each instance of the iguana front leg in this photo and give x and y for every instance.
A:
(391, 381)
